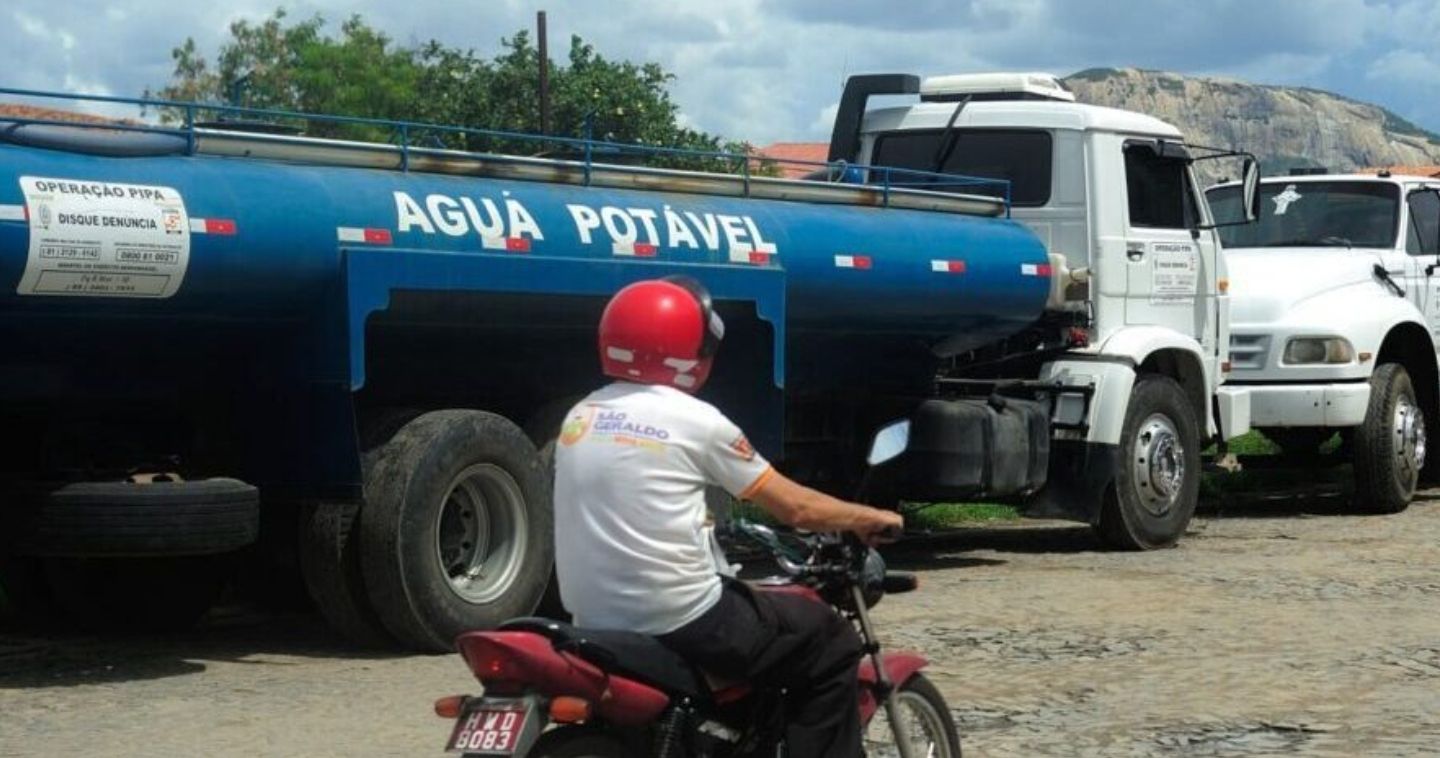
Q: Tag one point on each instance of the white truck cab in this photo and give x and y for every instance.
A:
(1138, 286)
(1334, 318)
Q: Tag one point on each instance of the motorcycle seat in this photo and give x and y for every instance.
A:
(637, 656)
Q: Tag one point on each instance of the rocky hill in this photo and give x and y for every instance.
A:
(1287, 127)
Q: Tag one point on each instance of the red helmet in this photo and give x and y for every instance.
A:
(661, 331)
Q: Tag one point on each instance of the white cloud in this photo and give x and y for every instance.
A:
(1405, 67)
(824, 120)
(31, 25)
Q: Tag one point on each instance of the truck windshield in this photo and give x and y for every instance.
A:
(1021, 156)
(1312, 214)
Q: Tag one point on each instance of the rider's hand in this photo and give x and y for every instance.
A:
(880, 527)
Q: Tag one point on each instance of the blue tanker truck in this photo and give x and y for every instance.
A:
(224, 340)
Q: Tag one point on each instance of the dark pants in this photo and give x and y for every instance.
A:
(785, 641)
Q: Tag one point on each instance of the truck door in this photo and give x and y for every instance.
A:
(1170, 269)
(1422, 243)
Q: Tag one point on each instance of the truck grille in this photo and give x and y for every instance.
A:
(1249, 351)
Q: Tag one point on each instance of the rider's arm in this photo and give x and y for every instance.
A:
(729, 461)
(803, 508)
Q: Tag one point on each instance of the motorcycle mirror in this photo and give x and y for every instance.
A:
(889, 442)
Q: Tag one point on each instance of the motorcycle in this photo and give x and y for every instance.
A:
(552, 690)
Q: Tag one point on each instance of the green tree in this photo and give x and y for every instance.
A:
(275, 65)
(285, 65)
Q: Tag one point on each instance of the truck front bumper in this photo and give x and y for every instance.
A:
(1308, 405)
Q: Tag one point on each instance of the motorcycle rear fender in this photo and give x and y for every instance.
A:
(531, 663)
(899, 666)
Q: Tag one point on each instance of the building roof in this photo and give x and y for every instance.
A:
(808, 152)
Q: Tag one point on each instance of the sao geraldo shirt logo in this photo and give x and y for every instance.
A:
(576, 426)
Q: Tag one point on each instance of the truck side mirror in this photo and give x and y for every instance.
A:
(1250, 190)
(889, 442)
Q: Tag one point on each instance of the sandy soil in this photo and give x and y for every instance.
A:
(1283, 629)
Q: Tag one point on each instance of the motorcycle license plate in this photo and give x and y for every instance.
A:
(496, 726)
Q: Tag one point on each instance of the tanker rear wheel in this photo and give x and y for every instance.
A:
(330, 564)
(456, 530)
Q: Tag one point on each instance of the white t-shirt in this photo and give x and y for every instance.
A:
(631, 467)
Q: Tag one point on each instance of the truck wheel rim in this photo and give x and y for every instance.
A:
(1409, 427)
(481, 532)
(1159, 465)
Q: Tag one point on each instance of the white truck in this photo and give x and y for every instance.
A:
(1134, 345)
(1334, 320)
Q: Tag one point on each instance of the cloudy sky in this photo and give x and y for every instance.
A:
(768, 70)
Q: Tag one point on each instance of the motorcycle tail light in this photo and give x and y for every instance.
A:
(569, 710)
(494, 664)
(490, 660)
(449, 707)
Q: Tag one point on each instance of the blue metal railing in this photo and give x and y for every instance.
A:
(404, 132)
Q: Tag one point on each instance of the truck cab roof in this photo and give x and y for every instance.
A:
(1387, 178)
(1040, 114)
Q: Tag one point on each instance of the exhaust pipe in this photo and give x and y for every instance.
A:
(845, 138)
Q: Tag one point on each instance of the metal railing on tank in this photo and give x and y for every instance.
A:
(408, 138)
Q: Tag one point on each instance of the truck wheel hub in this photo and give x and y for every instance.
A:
(1410, 440)
(481, 532)
(1159, 465)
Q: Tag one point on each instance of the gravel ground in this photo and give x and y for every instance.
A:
(1285, 628)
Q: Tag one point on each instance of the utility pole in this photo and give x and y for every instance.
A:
(544, 72)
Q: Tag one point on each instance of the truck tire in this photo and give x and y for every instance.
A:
(136, 595)
(455, 533)
(94, 519)
(1157, 483)
(330, 565)
(1390, 444)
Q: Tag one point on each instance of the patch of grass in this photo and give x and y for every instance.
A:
(1324, 470)
(946, 515)
(917, 515)
(1252, 443)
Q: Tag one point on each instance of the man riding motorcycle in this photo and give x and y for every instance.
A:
(632, 550)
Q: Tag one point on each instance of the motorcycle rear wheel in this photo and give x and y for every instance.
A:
(577, 742)
(927, 719)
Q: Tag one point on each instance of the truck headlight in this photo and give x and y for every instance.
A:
(1311, 350)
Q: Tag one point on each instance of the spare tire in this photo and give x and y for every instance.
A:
(92, 519)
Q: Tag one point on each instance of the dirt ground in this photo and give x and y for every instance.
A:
(1283, 628)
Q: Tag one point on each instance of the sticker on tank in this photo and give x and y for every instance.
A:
(104, 239)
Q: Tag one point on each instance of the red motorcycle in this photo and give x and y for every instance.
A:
(557, 691)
